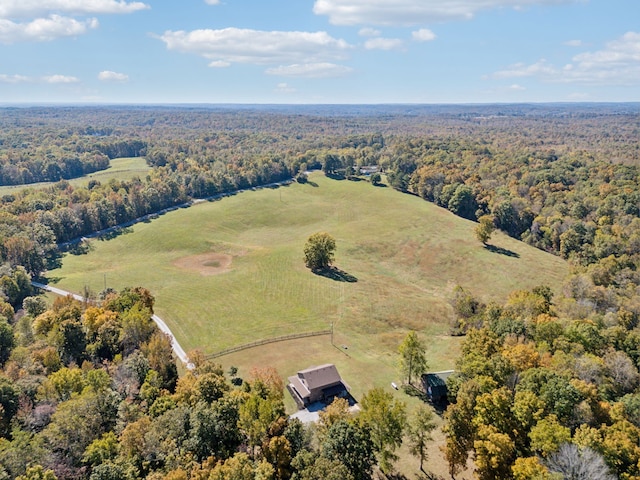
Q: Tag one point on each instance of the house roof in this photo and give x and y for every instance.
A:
(436, 378)
(299, 386)
(431, 380)
(320, 377)
(436, 383)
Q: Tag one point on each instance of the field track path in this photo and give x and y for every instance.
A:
(177, 348)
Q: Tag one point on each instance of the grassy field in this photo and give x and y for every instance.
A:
(230, 271)
(119, 168)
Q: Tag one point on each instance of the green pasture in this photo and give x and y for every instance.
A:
(406, 254)
(119, 169)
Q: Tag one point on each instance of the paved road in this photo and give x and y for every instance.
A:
(177, 348)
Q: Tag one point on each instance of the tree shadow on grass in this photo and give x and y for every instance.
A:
(79, 248)
(501, 251)
(334, 176)
(54, 261)
(424, 475)
(413, 391)
(115, 232)
(336, 274)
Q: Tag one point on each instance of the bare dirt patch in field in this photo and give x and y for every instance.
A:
(212, 263)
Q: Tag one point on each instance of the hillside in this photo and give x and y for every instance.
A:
(230, 272)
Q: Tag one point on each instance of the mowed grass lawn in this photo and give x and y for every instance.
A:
(406, 254)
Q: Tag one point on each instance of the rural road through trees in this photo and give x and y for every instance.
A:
(177, 348)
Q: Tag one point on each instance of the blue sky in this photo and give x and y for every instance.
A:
(319, 51)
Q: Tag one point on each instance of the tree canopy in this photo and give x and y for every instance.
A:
(319, 251)
(413, 358)
(485, 228)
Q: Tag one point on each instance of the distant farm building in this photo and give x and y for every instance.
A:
(369, 169)
(435, 386)
(317, 384)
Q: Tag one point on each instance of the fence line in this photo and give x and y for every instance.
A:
(257, 343)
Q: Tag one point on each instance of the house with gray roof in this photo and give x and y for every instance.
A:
(317, 384)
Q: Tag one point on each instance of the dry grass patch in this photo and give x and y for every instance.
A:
(206, 264)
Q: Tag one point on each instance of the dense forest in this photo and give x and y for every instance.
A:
(543, 380)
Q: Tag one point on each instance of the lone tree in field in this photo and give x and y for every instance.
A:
(485, 228)
(319, 250)
(413, 357)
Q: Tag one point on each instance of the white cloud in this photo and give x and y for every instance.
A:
(53, 79)
(13, 78)
(624, 50)
(34, 8)
(517, 70)
(310, 70)
(109, 76)
(369, 32)
(60, 79)
(515, 87)
(423, 35)
(380, 43)
(234, 45)
(285, 88)
(44, 29)
(212, 2)
(46, 20)
(219, 64)
(574, 43)
(46, 79)
(413, 12)
(616, 64)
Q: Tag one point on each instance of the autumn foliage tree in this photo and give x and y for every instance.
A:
(413, 358)
(485, 228)
(387, 419)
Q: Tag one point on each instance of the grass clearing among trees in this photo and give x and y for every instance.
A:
(406, 254)
(119, 169)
